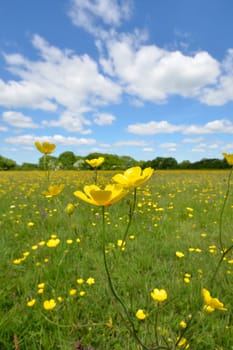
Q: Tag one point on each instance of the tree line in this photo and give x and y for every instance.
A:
(69, 161)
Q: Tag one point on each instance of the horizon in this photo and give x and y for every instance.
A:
(127, 77)
(113, 154)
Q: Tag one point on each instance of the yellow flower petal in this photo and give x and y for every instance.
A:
(53, 190)
(141, 315)
(49, 304)
(229, 158)
(95, 163)
(45, 147)
(212, 302)
(95, 195)
(159, 295)
(133, 177)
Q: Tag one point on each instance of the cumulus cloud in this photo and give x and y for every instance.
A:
(148, 149)
(104, 119)
(88, 13)
(213, 127)
(59, 78)
(164, 127)
(136, 143)
(57, 139)
(70, 121)
(3, 128)
(24, 94)
(152, 128)
(192, 140)
(19, 120)
(222, 92)
(151, 73)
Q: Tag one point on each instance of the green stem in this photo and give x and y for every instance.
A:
(130, 216)
(112, 288)
(46, 167)
(223, 209)
(223, 250)
(95, 176)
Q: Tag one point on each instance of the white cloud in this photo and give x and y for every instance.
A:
(3, 128)
(222, 92)
(130, 143)
(199, 148)
(57, 139)
(25, 94)
(167, 145)
(152, 128)
(192, 140)
(87, 13)
(104, 119)
(148, 149)
(228, 147)
(70, 121)
(19, 120)
(164, 127)
(213, 127)
(213, 146)
(58, 78)
(151, 73)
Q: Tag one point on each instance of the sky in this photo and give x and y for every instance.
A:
(142, 78)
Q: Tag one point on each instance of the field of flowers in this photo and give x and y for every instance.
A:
(148, 269)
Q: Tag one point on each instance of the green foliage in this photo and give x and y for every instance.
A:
(47, 162)
(29, 166)
(67, 160)
(7, 164)
(113, 161)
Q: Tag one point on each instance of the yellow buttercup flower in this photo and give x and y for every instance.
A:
(229, 158)
(183, 343)
(212, 303)
(31, 302)
(141, 315)
(45, 147)
(53, 190)
(159, 295)
(133, 177)
(179, 254)
(90, 281)
(49, 304)
(53, 242)
(69, 209)
(95, 195)
(95, 163)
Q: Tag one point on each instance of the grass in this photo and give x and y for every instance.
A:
(176, 211)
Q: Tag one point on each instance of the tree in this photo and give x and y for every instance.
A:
(185, 164)
(28, 166)
(164, 163)
(7, 164)
(67, 159)
(48, 162)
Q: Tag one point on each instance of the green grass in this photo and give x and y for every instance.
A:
(175, 211)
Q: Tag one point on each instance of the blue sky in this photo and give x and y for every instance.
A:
(130, 77)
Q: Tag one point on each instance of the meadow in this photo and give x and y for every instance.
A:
(54, 290)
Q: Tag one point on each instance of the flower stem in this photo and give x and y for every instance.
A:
(223, 209)
(113, 290)
(224, 251)
(130, 216)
